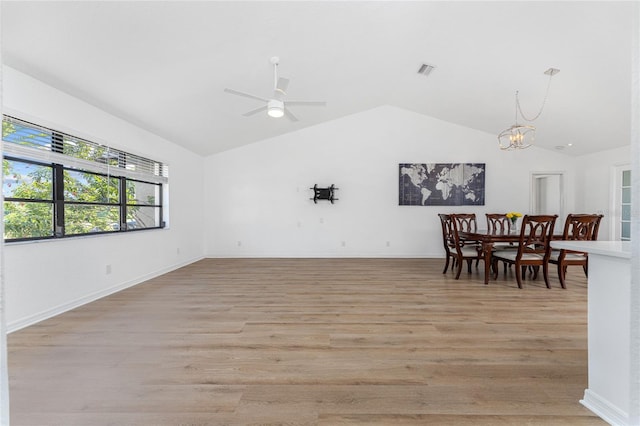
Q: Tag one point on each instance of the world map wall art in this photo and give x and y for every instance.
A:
(442, 184)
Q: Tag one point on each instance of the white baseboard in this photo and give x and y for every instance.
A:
(57, 310)
(604, 409)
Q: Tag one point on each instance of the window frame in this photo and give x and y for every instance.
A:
(125, 205)
(616, 200)
(65, 203)
(624, 204)
(59, 166)
(51, 201)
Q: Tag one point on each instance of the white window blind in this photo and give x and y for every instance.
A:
(31, 141)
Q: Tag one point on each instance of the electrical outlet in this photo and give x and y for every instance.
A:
(108, 269)
(344, 244)
(239, 243)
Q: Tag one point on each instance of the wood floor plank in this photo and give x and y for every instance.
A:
(454, 420)
(310, 342)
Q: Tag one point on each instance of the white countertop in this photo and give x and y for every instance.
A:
(605, 248)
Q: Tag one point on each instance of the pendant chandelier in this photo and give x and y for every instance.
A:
(521, 136)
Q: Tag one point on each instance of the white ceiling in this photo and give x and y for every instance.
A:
(163, 65)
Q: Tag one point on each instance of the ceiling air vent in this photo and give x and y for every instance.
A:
(425, 69)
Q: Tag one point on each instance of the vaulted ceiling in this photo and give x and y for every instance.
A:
(164, 65)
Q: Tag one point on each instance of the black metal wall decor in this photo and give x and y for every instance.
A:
(323, 193)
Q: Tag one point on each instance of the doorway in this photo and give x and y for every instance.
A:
(547, 195)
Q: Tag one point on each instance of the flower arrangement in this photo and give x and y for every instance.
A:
(513, 217)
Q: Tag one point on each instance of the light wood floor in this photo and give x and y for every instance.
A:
(310, 342)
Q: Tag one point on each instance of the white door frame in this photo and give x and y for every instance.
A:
(533, 194)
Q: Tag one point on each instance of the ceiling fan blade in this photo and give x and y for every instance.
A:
(283, 84)
(309, 103)
(246, 95)
(255, 111)
(289, 115)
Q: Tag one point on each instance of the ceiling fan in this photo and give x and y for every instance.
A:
(276, 106)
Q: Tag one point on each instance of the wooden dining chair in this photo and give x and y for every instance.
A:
(534, 248)
(464, 250)
(499, 223)
(466, 222)
(447, 238)
(455, 249)
(577, 227)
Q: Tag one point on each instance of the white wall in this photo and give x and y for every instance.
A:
(254, 201)
(594, 177)
(47, 277)
(257, 196)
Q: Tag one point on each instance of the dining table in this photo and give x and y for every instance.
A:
(487, 239)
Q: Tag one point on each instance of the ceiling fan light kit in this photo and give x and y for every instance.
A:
(276, 106)
(521, 136)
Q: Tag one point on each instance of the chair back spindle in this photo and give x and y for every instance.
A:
(465, 222)
(498, 223)
(582, 227)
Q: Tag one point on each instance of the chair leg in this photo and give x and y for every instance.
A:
(446, 265)
(535, 270)
(469, 262)
(561, 272)
(494, 267)
(459, 261)
(545, 274)
(519, 272)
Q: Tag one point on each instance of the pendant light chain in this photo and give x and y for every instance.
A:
(544, 102)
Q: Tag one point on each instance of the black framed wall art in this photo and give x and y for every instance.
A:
(441, 184)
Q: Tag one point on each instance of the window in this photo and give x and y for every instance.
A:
(143, 205)
(91, 202)
(28, 199)
(620, 222)
(56, 185)
(625, 206)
